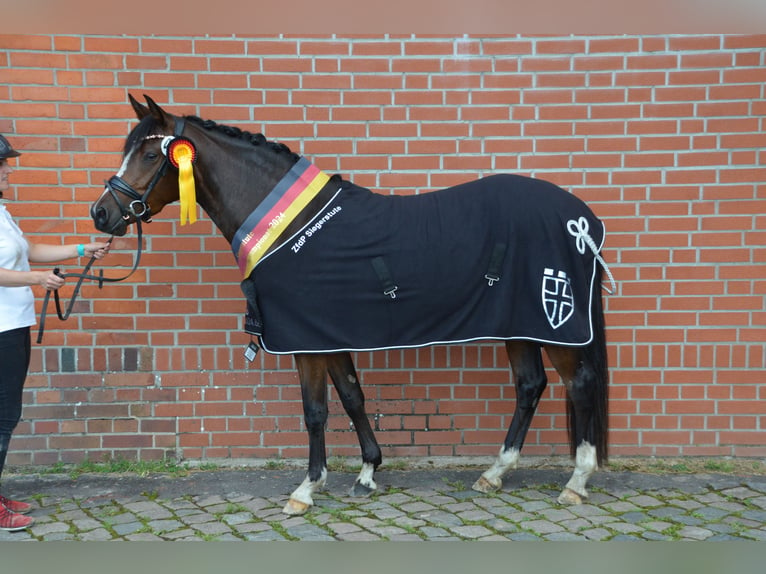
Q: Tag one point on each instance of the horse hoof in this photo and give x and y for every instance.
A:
(295, 507)
(570, 497)
(485, 486)
(360, 490)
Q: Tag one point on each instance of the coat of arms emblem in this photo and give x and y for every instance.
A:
(558, 300)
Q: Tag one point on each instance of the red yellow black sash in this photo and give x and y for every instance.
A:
(272, 216)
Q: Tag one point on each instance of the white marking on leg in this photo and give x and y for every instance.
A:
(585, 465)
(366, 475)
(304, 493)
(506, 460)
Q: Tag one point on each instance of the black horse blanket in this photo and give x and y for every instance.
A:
(503, 257)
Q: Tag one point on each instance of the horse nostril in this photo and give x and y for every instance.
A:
(99, 216)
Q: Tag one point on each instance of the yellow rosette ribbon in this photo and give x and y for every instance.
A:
(182, 154)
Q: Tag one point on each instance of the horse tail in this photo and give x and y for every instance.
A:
(595, 363)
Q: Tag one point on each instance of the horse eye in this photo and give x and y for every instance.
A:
(150, 156)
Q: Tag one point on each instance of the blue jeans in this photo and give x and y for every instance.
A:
(15, 349)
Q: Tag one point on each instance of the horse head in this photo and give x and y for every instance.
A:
(144, 184)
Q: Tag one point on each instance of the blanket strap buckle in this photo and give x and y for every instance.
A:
(381, 269)
(495, 263)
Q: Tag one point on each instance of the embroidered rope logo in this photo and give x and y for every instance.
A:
(579, 230)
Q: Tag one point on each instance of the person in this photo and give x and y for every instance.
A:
(17, 315)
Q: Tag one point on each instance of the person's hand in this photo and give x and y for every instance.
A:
(97, 250)
(49, 280)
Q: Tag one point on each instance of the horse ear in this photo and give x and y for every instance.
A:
(160, 115)
(140, 109)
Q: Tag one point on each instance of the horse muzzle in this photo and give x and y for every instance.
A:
(105, 216)
(106, 222)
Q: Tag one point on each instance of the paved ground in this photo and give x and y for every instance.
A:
(411, 505)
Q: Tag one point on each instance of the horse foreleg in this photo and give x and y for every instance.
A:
(530, 381)
(312, 371)
(346, 382)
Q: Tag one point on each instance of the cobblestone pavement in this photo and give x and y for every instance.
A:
(411, 505)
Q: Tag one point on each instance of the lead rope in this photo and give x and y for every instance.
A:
(64, 315)
(579, 230)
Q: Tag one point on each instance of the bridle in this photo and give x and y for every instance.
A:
(138, 208)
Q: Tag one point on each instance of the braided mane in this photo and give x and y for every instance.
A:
(148, 126)
(256, 139)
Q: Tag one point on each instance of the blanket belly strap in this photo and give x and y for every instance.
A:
(381, 269)
(495, 264)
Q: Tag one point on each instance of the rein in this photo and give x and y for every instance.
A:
(82, 276)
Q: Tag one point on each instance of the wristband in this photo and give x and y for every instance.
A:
(81, 250)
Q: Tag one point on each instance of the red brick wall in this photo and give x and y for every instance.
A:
(664, 136)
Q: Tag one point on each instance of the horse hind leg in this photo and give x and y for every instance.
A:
(344, 377)
(312, 371)
(586, 411)
(530, 381)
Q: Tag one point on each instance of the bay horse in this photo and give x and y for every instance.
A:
(243, 182)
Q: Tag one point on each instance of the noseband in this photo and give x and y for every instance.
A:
(138, 208)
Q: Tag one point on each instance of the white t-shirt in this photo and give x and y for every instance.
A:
(17, 304)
